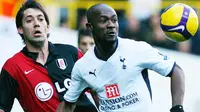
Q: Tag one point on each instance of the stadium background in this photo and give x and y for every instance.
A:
(73, 7)
(67, 16)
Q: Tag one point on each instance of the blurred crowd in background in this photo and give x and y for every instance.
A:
(138, 19)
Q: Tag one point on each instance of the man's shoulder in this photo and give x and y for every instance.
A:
(134, 47)
(65, 47)
(17, 56)
(87, 59)
(15, 59)
(127, 42)
(68, 50)
(133, 43)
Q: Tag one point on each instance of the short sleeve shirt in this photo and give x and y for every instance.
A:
(121, 82)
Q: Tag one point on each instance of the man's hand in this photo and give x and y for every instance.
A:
(177, 108)
(1, 110)
(60, 107)
(65, 107)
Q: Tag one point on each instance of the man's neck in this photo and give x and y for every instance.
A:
(43, 52)
(104, 51)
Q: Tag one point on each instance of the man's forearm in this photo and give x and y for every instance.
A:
(66, 107)
(95, 97)
(177, 86)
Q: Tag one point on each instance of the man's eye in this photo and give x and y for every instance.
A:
(28, 21)
(114, 20)
(91, 43)
(41, 19)
(102, 21)
(84, 44)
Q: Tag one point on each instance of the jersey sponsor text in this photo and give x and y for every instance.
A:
(120, 102)
(67, 82)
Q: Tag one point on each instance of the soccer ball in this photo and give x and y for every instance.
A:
(179, 22)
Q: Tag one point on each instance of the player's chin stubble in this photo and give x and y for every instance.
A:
(37, 44)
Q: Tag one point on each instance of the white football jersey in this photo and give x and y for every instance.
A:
(121, 82)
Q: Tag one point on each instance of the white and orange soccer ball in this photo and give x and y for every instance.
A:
(179, 22)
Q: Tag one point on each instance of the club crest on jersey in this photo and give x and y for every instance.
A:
(61, 63)
(123, 60)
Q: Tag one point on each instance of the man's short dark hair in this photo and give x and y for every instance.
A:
(26, 5)
(83, 32)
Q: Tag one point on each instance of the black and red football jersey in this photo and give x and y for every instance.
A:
(38, 88)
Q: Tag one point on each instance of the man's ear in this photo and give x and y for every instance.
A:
(89, 26)
(20, 30)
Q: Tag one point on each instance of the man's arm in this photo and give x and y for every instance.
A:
(65, 107)
(177, 89)
(95, 97)
(77, 85)
(7, 90)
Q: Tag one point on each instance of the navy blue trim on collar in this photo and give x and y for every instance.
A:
(105, 58)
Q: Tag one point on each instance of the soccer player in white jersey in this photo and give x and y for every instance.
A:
(116, 69)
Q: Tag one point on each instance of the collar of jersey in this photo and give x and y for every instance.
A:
(34, 55)
(103, 58)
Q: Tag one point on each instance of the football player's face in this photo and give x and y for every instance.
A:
(34, 26)
(105, 25)
(85, 43)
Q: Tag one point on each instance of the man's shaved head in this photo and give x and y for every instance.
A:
(95, 10)
(103, 23)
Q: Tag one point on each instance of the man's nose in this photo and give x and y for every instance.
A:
(111, 24)
(36, 23)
